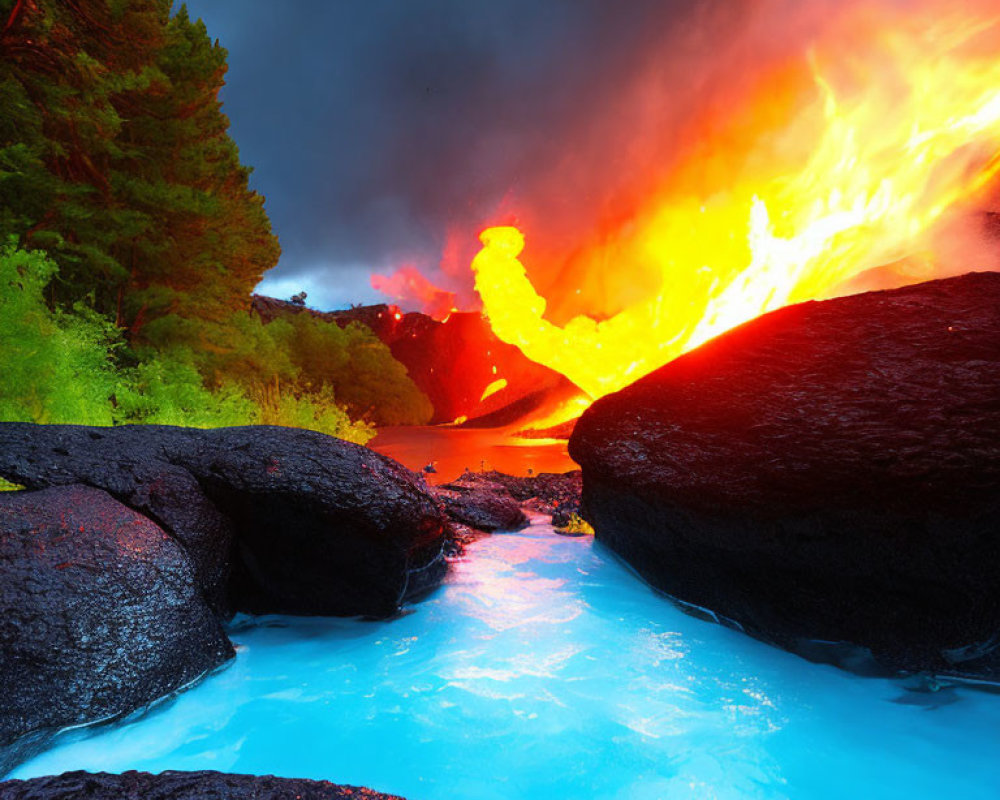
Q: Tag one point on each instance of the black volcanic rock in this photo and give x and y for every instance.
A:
(483, 508)
(830, 471)
(453, 361)
(556, 488)
(323, 526)
(180, 786)
(310, 524)
(100, 615)
(132, 466)
(489, 501)
(554, 493)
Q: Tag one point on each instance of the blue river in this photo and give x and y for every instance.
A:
(544, 668)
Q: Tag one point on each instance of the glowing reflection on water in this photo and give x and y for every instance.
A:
(453, 450)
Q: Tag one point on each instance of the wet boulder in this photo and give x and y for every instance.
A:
(481, 506)
(132, 465)
(829, 472)
(279, 520)
(100, 615)
(180, 786)
(323, 526)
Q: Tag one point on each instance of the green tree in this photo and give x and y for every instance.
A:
(139, 241)
(356, 364)
(206, 239)
(63, 65)
(115, 158)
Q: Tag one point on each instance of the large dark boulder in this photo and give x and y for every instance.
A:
(830, 471)
(306, 523)
(100, 615)
(133, 467)
(180, 786)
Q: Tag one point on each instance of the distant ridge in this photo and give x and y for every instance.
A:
(453, 361)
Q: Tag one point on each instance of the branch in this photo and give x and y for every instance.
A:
(12, 19)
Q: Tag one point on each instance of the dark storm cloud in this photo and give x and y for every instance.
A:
(374, 126)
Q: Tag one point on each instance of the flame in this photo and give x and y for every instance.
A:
(493, 388)
(844, 160)
(562, 412)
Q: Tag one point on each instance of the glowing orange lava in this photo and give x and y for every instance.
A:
(843, 161)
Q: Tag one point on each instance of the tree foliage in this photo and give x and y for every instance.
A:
(132, 240)
(117, 160)
(367, 379)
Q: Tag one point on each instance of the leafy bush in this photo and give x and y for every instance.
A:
(60, 367)
(318, 412)
(57, 365)
(164, 392)
(368, 380)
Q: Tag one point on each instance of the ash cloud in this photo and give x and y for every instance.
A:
(385, 135)
(377, 128)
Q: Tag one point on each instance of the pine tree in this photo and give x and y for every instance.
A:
(62, 64)
(116, 159)
(207, 240)
(118, 172)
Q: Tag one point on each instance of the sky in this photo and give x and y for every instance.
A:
(385, 134)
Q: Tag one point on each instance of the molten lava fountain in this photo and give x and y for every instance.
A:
(849, 157)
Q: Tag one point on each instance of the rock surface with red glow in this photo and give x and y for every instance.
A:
(180, 786)
(555, 493)
(829, 471)
(100, 615)
(305, 523)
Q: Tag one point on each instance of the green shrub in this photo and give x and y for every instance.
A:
(59, 367)
(317, 411)
(56, 365)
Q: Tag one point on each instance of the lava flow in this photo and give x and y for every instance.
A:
(852, 156)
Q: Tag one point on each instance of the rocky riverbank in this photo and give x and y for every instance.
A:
(489, 501)
(180, 786)
(132, 545)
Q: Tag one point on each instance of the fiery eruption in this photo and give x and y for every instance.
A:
(848, 157)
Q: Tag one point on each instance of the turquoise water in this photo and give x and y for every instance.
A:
(545, 669)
